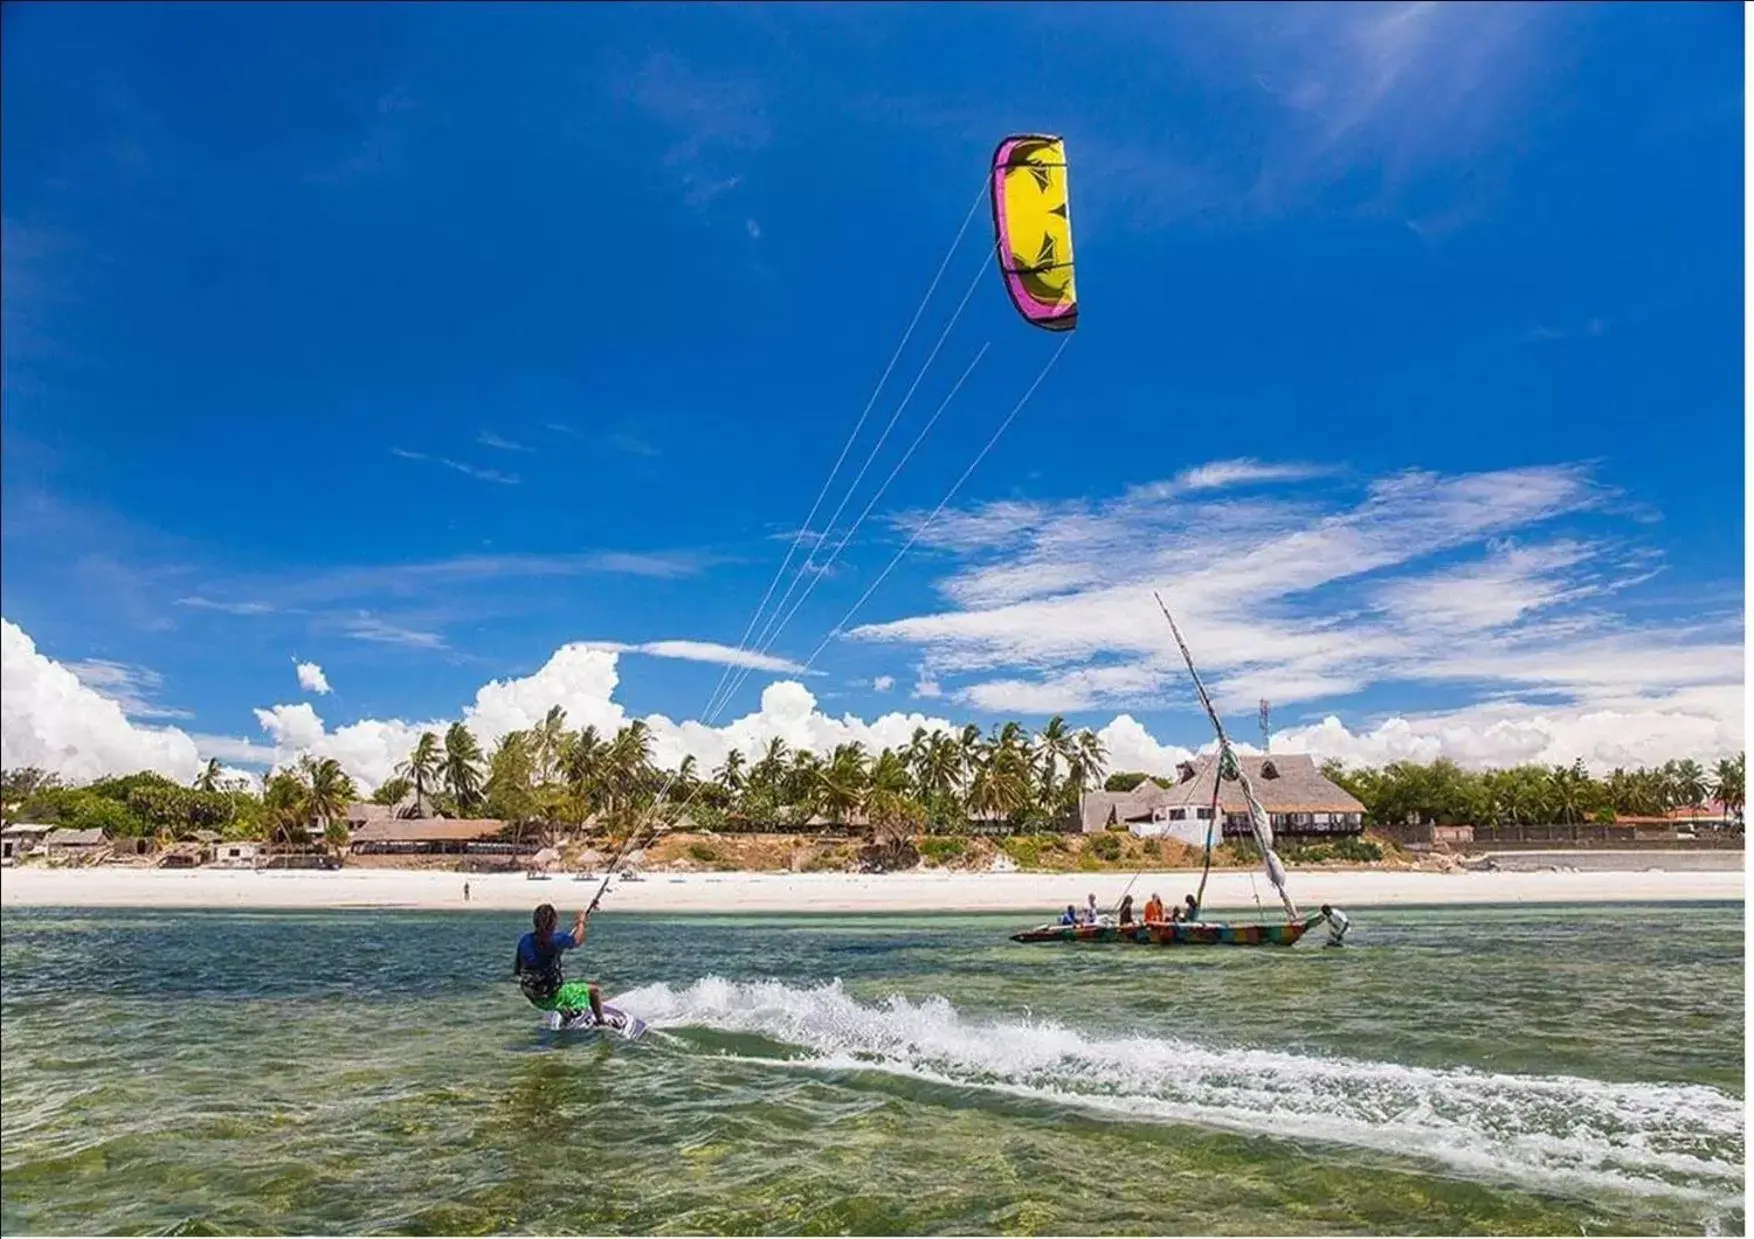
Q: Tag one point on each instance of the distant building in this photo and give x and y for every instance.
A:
(64, 844)
(19, 840)
(238, 854)
(1298, 798)
(435, 836)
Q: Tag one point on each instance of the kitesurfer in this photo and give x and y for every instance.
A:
(537, 966)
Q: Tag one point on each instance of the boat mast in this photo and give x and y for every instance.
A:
(1228, 764)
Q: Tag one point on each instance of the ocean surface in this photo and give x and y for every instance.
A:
(1464, 1070)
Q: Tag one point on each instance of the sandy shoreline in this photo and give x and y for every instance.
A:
(1023, 893)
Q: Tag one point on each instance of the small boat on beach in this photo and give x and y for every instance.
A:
(1178, 933)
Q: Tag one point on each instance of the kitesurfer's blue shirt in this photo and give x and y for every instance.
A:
(527, 947)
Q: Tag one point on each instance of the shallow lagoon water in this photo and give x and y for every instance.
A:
(1449, 1071)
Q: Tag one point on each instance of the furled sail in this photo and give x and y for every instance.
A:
(1260, 825)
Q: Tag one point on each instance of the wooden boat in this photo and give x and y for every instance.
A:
(1179, 933)
(1207, 933)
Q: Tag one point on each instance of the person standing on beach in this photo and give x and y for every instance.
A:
(465, 892)
(537, 966)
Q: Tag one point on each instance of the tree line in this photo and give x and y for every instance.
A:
(552, 779)
(1442, 793)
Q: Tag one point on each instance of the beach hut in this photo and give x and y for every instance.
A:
(20, 840)
(237, 854)
(78, 846)
(434, 836)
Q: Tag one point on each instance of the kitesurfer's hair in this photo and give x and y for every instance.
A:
(545, 921)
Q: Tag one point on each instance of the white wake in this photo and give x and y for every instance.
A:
(1554, 1131)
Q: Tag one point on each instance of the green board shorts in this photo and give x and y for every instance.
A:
(573, 996)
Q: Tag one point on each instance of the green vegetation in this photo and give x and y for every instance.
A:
(1442, 793)
(1104, 846)
(940, 851)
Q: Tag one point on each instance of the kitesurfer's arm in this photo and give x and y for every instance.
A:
(580, 923)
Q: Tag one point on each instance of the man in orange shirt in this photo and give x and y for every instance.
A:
(1154, 910)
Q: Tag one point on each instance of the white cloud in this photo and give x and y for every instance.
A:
(473, 471)
(367, 627)
(48, 718)
(488, 439)
(311, 678)
(1700, 726)
(702, 652)
(129, 686)
(1131, 747)
(883, 683)
(1417, 579)
(230, 608)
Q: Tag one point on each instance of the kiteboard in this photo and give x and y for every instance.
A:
(615, 1020)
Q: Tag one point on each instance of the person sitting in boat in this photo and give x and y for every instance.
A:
(1126, 914)
(1090, 916)
(1193, 912)
(537, 967)
(1154, 910)
(1070, 917)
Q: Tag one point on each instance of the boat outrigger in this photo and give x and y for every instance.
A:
(1200, 932)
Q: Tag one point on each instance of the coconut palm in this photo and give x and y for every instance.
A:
(547, 744)
(1690, 784)
(842, 782)
(1728, 783)
(210, 779)
(461, 768)
(729, 775)
(581, 771)
(422, 771)
(1054, 747)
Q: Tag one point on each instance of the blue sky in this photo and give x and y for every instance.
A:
(418, 342)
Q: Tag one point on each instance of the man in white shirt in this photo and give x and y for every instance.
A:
(1337, 924)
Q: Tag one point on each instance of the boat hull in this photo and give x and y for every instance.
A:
(1194, 933)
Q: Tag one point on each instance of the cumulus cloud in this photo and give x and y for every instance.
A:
(311, 678)
(48, 718)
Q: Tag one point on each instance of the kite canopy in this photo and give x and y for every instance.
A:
(1033, 227)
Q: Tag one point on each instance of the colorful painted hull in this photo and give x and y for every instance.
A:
(1195, 933)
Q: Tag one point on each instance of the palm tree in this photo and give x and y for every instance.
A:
(1690, 785)
(730, 774)
(1054, 746)
(210, 778)
(627, 768)
(548, 743)
(582, 762)
(329, 790)
(422, 771)
(462, 767)
(841, 783)
(1728, 783)
(767, 773)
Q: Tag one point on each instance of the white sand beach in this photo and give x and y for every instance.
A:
(917, 891)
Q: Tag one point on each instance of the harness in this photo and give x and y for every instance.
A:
(542, 980)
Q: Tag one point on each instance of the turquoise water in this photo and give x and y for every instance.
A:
(1448, 1071)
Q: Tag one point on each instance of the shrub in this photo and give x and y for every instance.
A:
(702, 852)
(941, 850)
(1024, 849)
(1105, 847)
